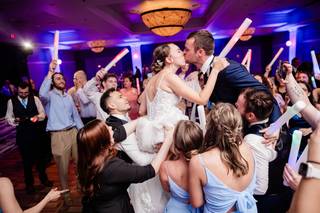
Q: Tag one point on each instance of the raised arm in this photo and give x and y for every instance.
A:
(180, 88)
(46, 84)
(309, 113)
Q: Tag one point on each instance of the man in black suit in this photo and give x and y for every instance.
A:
(117, 106)
(199, 50)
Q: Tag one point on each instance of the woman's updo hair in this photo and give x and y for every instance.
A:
(159, 56)
(188, 139)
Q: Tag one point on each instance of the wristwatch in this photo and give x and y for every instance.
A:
(307, 170)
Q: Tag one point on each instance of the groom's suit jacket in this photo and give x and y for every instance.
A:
(232, 80)
(127, 144)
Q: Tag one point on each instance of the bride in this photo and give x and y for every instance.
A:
(159, 102)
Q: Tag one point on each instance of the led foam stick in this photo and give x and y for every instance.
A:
(116, 59)
(313, 81)
(138, 85)
(276, 57)
(295, 145)
(202, 117)
(315, 63)
(56, 45)
(244, 26)
(249, 60)
(295, 109)
(245, 59)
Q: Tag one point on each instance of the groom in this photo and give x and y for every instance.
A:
(117, 106)
(199, 50)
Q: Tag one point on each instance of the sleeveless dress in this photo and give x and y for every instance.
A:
(179, 200)
(161, 111)
(219, 198)
(149, 197)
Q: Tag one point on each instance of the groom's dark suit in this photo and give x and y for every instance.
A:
(119, 134)
(232, 80)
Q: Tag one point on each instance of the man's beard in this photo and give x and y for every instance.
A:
(58, 87)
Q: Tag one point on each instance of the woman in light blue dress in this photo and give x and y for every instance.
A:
(222, 177)
(188, 139)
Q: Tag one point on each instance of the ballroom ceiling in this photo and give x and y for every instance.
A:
(82, 20)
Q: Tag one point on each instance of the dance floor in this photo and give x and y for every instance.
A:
(11, 167)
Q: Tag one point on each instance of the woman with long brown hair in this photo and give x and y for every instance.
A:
(223, 175)
(187, 140)
(104, 178)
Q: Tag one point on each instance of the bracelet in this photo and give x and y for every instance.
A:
(315, 162)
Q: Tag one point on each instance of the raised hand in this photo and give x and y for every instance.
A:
(220, 64)
(291, 177)
(100, 74)
(52, 67)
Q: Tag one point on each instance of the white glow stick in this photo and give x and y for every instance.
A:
(202, 117)
(303, 158)
(295, 145)
(56, 45)
(244, 26)
(245, 59)
(316, 69)
(116, 59)
(138, 85)
(313, 81)
(249, 60)
(295, 109)
(276, 57)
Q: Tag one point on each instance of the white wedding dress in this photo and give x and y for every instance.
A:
(149, 197)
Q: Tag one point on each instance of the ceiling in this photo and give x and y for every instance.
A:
(82, 20)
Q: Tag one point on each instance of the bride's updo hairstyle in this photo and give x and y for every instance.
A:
(159, 56)
(187, 139)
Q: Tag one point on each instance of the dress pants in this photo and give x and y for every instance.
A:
(64, 144)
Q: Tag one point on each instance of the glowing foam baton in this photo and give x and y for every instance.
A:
(295, 109)
(116, 59)
(303, 158)
(202, 117)
(243, 27)
(56, 45)
(276, 57)
(245, 59)
(316, 69)
(295, 145)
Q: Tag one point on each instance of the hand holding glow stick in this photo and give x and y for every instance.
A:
(56, 45)
(116, 59)
(316, 69)
(244, 26)
(295, 109)
(276, 57)
(202, 117)
(295, 145)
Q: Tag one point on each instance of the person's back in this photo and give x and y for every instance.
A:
(224, 173)
(255, 106)
(174, 172)
(224, 191)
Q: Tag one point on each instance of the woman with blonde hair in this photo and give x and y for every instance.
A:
(223, 176)
(187, 140)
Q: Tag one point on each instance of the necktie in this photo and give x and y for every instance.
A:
(24, 103)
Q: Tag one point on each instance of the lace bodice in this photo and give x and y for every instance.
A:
(163, 103)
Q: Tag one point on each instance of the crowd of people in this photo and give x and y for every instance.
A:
(144, 151)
